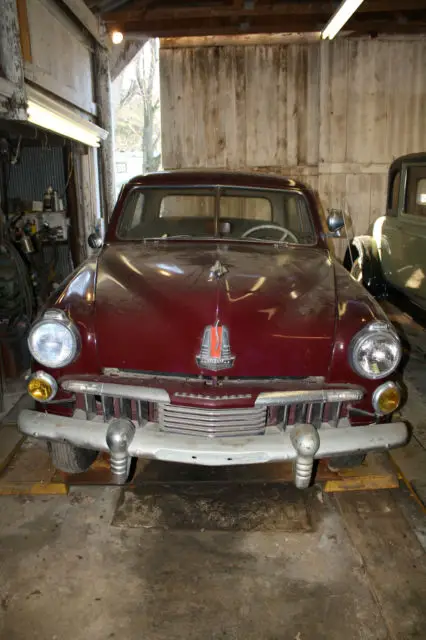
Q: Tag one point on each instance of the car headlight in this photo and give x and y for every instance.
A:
(54, 341)
(375, 352)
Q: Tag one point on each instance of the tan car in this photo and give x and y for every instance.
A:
(392, 258)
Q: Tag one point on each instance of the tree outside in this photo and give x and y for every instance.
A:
(136, 96)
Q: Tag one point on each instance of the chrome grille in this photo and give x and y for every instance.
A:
(199, 421)
(213, 422)
(110, 407)
(313, 413)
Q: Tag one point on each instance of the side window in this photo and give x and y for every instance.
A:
(393, 196)
(415, 198)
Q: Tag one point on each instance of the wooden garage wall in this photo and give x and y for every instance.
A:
(58, 56)
(335, 114)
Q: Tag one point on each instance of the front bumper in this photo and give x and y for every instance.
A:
(294, 444)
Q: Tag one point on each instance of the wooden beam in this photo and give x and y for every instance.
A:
(24, 30)
(213, 26)
(11, 62)
(105, 119)
(381, 23)
(157, 11)
(88, 19)
(239, 40)
(179, 31)
(123, 53)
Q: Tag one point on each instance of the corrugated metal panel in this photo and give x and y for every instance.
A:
(37, 169)
(335, 114)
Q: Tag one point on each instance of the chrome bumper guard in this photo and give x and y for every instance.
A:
(302, 443)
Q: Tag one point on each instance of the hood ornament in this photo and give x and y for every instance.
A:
(215, 351)
(218, 270)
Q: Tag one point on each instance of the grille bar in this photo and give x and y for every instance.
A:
(110, 407)
(314, 413)
(212, 422)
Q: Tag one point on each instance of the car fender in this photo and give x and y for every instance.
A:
(365, 248)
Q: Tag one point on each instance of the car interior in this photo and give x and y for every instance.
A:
(243, 214)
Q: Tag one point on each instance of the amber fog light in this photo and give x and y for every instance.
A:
(42, 387)
(386, 398)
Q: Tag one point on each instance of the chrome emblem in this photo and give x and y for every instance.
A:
(215, 351)
(218, 270)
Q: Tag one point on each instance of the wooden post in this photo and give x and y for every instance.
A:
(124, 53)
(11, 63)
(106, 121)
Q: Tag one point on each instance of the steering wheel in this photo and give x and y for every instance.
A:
(287, 233)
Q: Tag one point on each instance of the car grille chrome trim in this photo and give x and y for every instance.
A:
(150, 394)
(207, 380)
(109, 408)
(232, 396)
(315, 413)
(212, 422)
(281, 408)
(271, 398)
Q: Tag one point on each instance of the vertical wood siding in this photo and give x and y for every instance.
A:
(333, 114)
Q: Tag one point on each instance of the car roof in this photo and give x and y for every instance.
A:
(411, 157)
(212, 177)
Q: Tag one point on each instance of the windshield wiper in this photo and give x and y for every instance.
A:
(165, 236)
(181, 237)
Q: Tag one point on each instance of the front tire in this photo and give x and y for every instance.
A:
(70, 459)
(346, 462)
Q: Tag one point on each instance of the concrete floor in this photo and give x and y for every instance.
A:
(66, 573)
(356, 569)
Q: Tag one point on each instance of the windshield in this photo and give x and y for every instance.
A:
(225, 212)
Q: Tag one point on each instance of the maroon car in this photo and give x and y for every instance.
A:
(214, 328)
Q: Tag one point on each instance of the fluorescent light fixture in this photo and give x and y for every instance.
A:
(340, 17)
(56, 117)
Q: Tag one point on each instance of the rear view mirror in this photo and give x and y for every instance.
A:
(335, 220)
(94, 241)
(421, 192)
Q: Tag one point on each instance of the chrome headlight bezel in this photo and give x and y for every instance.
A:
(380, 329)
(56, 316)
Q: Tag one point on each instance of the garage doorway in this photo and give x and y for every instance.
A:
(136, 104)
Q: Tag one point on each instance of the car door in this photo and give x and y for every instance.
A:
(403, 232)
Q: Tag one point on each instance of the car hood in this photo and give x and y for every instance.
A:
(153, 302)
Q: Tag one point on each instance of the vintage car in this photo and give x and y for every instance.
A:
(391, 258)
(214, 327)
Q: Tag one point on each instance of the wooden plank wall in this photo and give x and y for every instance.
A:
(335, 114)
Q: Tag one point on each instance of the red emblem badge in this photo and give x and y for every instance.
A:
(215, 351)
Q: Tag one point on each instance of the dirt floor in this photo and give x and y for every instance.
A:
(258, 561)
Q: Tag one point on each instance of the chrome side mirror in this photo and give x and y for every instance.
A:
(94, 241)
(335, 220)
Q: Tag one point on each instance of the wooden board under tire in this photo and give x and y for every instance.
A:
(30, 472)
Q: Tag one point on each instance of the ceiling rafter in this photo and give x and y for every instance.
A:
(173, 18)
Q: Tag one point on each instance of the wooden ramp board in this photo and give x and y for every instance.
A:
(30, 472)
